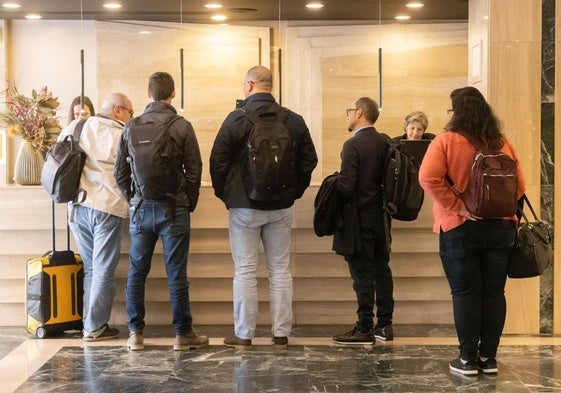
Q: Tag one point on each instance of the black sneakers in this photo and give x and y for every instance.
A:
(488, 366)
(280, 342)
(464, 367)
(355, 337)
(384, 333)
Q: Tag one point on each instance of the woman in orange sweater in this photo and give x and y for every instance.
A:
(474, 251)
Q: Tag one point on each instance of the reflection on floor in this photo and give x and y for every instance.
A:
(417, 361)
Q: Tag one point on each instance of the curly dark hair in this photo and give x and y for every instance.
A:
(472, 113)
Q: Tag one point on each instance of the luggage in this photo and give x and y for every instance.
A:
(55, 286)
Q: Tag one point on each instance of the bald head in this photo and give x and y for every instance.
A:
(117, 106)
(258, 80)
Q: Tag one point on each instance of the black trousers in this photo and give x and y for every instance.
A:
(371, 273)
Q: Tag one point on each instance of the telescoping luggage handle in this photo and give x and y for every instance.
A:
(59, 257)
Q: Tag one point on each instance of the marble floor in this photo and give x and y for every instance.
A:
(416, 361)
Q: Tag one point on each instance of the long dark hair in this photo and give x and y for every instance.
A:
(474, 115)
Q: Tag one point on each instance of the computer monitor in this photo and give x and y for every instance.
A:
(415, 148)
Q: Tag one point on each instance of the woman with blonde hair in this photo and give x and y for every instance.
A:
(414, 127)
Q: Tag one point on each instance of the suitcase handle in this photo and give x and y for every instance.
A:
(54, 230)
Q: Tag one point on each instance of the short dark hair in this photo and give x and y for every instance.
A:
(161, 86)
(369, 108)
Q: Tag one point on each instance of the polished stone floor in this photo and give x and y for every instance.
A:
(417, 361)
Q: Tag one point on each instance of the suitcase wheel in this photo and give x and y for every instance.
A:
(41, 332)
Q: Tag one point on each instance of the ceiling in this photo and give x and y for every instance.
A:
(239, 11)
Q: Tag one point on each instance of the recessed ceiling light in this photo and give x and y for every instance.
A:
(213, 6)
(219, 17)
(33, 16)
(112, 5)
(402, 17)
(414, 4)
(11, 5)
(314, 5)
(146, 32)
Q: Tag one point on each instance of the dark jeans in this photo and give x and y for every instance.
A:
(371, 273)
(475, 256)
(150, 221)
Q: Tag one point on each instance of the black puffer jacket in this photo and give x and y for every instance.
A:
(229, 155)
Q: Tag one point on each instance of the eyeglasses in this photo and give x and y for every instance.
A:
(131, 112)
(449, 111)
(351, 110)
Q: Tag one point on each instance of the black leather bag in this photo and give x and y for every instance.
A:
(533, 251)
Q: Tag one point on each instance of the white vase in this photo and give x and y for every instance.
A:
(29, 164)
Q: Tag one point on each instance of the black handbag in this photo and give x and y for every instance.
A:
(533, 250)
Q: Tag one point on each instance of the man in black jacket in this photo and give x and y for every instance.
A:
(166, 216)
(359, 185)
(252, 221)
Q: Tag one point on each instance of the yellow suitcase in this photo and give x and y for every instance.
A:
(55, 286)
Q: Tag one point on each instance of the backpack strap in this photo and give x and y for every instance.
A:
(78, 130)
(474, 140)
(81, 197)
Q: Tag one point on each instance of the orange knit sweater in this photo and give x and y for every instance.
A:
(450, 154)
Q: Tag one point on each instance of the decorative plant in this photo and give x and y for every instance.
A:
(33, 118)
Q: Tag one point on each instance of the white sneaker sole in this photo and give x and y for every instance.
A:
(464, 372)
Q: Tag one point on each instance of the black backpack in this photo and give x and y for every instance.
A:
(63, 167)
(271, 156)
(403, 195)
(491, 190)
(154, 157)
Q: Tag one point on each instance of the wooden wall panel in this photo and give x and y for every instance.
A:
(514, 91)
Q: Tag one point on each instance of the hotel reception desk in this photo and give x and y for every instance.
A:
(323, 291)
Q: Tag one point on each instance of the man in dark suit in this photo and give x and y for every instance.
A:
(359, 185)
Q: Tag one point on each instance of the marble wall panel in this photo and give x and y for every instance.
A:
(421, 65)
(557, 174)
(215, 60)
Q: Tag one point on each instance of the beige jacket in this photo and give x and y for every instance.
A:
(99, 139)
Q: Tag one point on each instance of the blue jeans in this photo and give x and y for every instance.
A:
(247, 228)
(98, 236)
(147, 223)
(475, 256)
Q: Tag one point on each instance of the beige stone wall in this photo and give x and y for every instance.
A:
(329, 67)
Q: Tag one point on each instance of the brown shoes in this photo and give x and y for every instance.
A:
(191, 340)
(238, 343)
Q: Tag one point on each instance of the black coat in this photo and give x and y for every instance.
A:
(360, 189)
